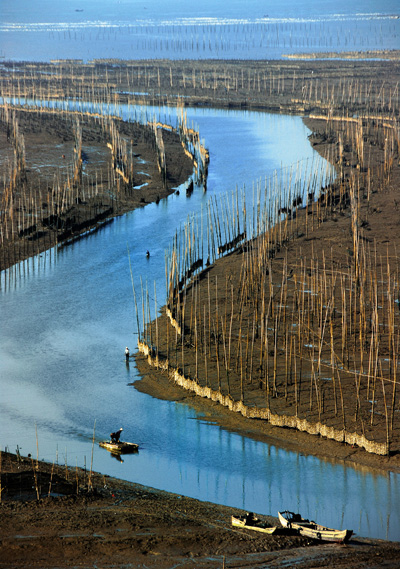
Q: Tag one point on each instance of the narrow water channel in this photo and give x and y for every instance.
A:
(67, 316)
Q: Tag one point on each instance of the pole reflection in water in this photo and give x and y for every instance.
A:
(69, 315)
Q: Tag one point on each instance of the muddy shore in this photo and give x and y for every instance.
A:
(52, 516)
(156, 384)
(47, 157)
(379, 213)
(121, 524)
(55, 197)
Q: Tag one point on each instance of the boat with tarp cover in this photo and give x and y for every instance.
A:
(250, 521)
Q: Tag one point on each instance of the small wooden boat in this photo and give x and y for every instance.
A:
(313, 530)
(119, 447)
(249, 521)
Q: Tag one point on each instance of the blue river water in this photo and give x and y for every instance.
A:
(68, 315)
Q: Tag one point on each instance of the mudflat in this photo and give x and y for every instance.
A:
(73, 521)
(53, 516)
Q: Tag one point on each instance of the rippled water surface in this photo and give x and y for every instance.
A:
(67, 317)
(135, 29)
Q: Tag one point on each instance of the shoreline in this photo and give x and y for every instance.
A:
(155, 383)
(118, 523)
(88, 519)
(59, 221)
(169, 72)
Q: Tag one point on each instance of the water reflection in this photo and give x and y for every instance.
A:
(263, 478)
(70, 314)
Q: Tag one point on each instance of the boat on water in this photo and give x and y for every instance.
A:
(313, 530)
(250, 521)
(119, 447)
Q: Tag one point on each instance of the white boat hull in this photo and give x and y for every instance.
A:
(313, 530)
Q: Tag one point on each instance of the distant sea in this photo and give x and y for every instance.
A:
(44, 30)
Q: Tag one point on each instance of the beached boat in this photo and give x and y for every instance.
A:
(249, 521)
(119, 447)
(313, 530)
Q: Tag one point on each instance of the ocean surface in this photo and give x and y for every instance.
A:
(44, 30)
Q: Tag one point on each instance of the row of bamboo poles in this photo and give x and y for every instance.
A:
(105, 84)
(23, 215)
(31, 212)
(221, 39)
(316, 338)
(334, 95)
(311, 337)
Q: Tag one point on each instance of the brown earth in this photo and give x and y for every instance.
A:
(287, 86)
(51, 516)
(49, 156)
(295, 86)
(330, 240)
(114, 523)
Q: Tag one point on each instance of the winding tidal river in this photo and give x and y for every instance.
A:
(67, 315)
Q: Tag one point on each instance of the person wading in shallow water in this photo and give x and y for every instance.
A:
(127, 353)
(115, 436)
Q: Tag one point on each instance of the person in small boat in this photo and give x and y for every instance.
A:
(127, 353)
(115, 436)
(249, 518)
